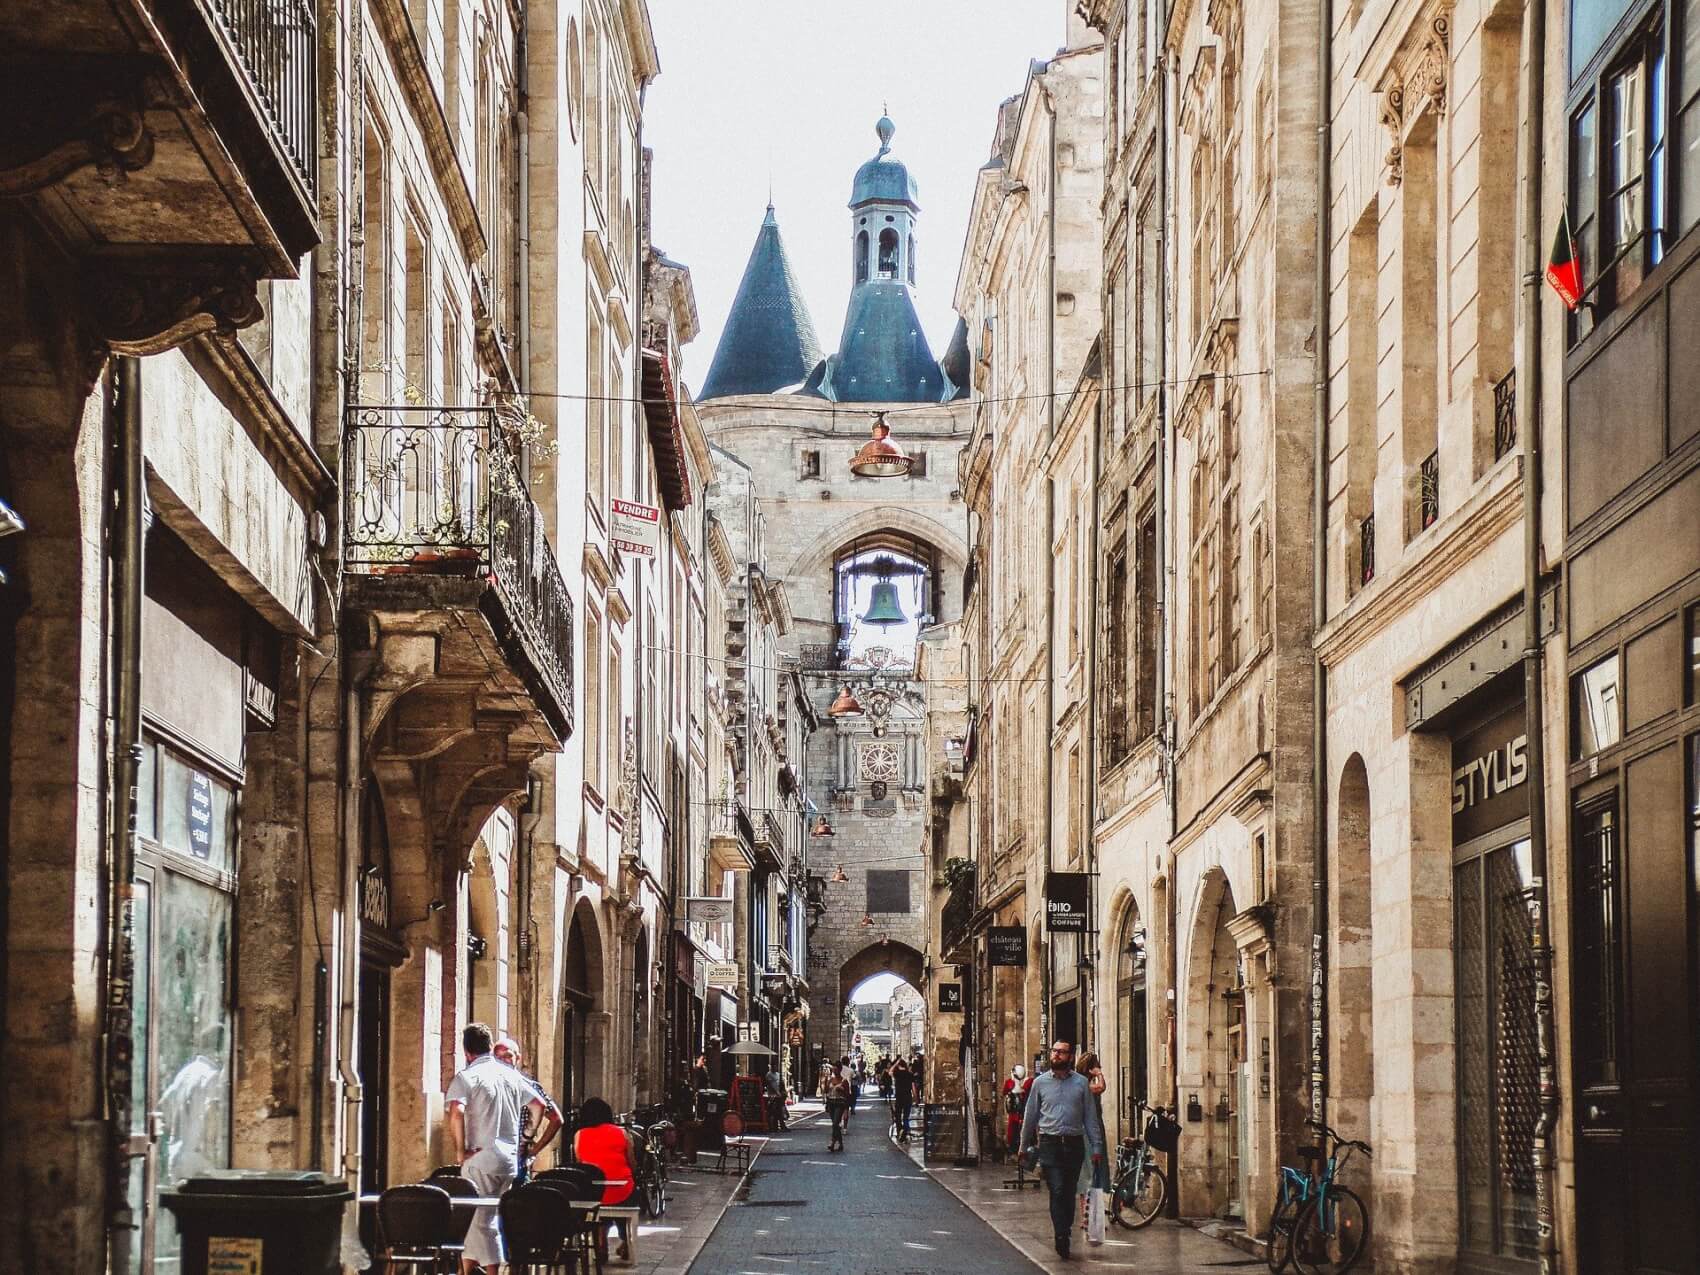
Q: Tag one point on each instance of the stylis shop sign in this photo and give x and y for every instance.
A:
(634, 528)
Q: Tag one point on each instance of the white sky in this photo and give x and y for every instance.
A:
(791, 89)
(876, 990)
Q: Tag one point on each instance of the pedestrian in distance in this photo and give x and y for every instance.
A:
(486, 1102)
(1063, 1125)
(848, 1074)
(903, 1097)
(531, 1140)
(777, 1114)
(836, 1090)
(607, 1147)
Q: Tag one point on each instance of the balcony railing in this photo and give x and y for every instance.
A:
(438, 490)
(1505, 414)
(275, 42)
(1428, 504)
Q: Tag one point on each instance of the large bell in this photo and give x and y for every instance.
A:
(883, 610)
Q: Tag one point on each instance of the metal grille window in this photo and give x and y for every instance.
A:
(1498, 1064)
(1598, 948)
(1366, 550)
(1428, 506)
(888, 891)
(1505, 414)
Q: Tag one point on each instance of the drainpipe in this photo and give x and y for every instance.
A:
(1050, 539)
(130, 545)
(1319, 586)
(1529, 379)
(522, 271)
(1165, 666)
(348, 959)
(1089, 990)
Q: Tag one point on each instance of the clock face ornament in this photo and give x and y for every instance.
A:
(879, 761)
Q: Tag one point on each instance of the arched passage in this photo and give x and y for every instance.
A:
(1351, 1000)
(880, 957)
(1212, 1175)
(582, 1016)
(1129, 1065)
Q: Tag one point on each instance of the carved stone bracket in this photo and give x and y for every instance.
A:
(1416, 83)
(149, 307)
(111, 135)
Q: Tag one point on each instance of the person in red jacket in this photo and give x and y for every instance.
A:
(1015, 1091)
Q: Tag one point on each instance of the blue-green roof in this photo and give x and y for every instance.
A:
(883, 355)
(883, 179)
(769, 340)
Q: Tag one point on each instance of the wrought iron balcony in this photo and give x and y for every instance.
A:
(1428, 502)
(434, 496)
(957, 913)
(1505, 414)
(1366, 550)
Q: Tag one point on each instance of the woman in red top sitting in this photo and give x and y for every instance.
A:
(606, 1147)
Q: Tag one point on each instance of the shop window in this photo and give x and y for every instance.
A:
(1597, 708)
(184, 808)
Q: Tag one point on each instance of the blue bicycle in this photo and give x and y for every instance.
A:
(1318, 1225)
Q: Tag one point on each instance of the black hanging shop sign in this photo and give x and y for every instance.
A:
(1067, 902)
(1006, 945)
(950, 998)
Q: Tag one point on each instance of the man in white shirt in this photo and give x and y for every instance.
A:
(486, 1100)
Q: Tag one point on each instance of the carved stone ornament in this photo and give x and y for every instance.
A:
(1392, 116)
(110, 135)
(152, 307)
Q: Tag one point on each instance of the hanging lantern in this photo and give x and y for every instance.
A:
(822, 828)
(867, 922)
(880, 457)
(883, 608)
(838, 876)
(846, 705)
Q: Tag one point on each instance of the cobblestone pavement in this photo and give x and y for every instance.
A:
(869, 1208)
(1023, 1218)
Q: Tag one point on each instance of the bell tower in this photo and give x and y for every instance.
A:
(883, 210)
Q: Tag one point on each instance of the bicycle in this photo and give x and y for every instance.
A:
(1319, 1225)
(1140, 1188)
(650, 1169)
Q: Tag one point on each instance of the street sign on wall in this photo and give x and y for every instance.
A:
(710, 911)
(1007, 945)
(634, 528)
(1067, 902)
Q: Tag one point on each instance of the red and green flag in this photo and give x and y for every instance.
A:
(1564, 268)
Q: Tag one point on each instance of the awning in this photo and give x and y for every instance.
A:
(661, 412)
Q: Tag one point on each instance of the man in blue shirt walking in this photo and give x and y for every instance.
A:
(1062, 1121)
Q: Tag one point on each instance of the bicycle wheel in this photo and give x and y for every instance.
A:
(1134, 1205)
(1282, 1218)
(1331, 1234)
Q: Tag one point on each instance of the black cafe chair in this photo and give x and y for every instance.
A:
(459, 1188)
(417, 1227)
(536, 1222)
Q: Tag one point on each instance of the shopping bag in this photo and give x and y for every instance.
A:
(1095, 1201)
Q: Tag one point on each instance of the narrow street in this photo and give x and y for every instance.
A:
(868, 1208)
(872, 1208)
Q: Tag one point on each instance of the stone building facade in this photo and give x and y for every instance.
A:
(299, 441)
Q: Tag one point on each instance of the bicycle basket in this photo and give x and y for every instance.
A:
(1162, 1133)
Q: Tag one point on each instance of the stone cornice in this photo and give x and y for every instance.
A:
(1460, 537)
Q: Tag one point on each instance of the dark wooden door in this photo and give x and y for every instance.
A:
(1634, 1024)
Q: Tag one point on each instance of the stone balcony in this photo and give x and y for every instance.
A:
(441, 538)
(170, 147)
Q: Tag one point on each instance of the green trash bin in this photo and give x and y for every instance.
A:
(260, 1222)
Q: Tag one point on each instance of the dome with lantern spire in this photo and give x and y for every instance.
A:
(883, 178)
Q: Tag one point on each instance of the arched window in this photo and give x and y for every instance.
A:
(911, 259)
(888, 253)
(861, 256)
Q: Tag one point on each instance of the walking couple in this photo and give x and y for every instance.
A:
(1064, 1122)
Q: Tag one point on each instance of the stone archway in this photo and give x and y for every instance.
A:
(1210, 1177)
(880, 957)
(582, 1020)
(1351, 995)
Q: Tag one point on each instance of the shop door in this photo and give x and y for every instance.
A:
(575, 1050)
(1633, 1040)
(1498, 1073)
(182, 1035)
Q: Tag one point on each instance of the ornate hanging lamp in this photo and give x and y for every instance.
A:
(838, 875)
(822, 827)
(880, 457)
(846, 705)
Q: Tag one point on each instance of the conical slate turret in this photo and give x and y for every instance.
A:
(769, 341)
